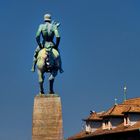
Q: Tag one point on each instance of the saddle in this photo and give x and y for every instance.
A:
(50, 62)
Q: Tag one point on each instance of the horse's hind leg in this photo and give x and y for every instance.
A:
(51, 81)
(51, 86)
(41, 87)
(41, 81)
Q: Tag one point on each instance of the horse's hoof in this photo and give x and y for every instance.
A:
(51, 92)
(41, 93)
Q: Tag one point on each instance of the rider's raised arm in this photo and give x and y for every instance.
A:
(57, 35)
(38, 33)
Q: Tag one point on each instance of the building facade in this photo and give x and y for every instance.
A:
(120, 122)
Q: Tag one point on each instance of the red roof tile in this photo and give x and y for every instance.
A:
(116, 110)
(132, 109)
(95, 116)
(128, 106)
(118, 129)
(132, 101)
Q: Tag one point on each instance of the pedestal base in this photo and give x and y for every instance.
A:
(47, 118)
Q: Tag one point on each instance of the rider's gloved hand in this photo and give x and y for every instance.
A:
(40, 46)
(55, 47)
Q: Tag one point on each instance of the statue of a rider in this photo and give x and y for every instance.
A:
(44, 37)
(47, 30)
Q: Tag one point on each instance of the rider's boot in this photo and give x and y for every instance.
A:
(35, 59)
(33, 65)
(60, 65)
(51, 86)
(61, 70)
(41, 88)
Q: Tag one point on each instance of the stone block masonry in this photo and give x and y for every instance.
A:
(47, 121)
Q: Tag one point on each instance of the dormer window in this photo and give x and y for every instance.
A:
(126, 120)
(88, 128)
(106, 123)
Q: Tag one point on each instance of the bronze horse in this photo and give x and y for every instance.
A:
(47, 62)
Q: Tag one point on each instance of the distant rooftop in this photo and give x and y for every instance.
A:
(128, 106)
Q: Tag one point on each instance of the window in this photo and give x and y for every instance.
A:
(126, 120)
(106, 124)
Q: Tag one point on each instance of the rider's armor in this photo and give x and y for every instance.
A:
(48, 30)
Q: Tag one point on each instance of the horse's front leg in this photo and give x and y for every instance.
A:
(41, 81)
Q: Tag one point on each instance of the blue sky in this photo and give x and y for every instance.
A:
(100, 50)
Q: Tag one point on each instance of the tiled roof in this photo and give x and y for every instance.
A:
(132, 101)
(128, 106)
(116, 110)
(132, 109)
(95, 116)
(120, 128)
(78, 135)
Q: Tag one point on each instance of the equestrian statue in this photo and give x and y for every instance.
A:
(47, 56)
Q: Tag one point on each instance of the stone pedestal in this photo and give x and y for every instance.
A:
(47, 118)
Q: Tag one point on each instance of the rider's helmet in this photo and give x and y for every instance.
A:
(47, 17)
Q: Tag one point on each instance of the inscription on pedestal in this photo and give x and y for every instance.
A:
(47, 118)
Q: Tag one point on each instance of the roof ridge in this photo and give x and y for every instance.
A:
(129, 109)
(133, 98)
(112, 109)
